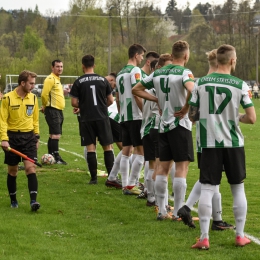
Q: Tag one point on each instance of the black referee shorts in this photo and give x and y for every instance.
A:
(22, 142)
(54, 118)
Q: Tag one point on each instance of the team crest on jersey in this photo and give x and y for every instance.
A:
(191, 76)
(137, 76)
(29, 110)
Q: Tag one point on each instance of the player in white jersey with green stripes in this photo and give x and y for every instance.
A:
(173, 84)
(218, 96)
(129, 107)
(150, 57)
(185, 211)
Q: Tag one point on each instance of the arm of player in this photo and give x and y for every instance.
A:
(139, 91)
(117, 102)
(74, 102)
(249, 117)
(110, 100)
(47, 86)
(184, 110)
(194, 113)
(4, 114)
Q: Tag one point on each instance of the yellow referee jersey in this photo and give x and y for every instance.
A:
(52, 93)
(18, 114)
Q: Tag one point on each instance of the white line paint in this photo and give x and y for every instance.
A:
(76, 154)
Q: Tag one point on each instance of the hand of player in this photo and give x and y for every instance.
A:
(76, 110)
(42, 109)
(181, 113)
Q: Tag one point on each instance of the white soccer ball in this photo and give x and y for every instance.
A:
(47, 159)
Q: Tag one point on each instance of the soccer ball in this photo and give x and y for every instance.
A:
(47, 159)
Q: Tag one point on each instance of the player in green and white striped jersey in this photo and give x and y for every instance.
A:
(146, 70)
(218, 96)
(173, 84)
(129, 108)
(185, 211)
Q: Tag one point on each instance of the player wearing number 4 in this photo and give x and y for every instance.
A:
(218, 96)
(92, 94)
(19, 120)
(173, 84)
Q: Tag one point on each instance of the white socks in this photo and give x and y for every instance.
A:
(216, 207)
(116, 167)
(160, 187)
(239, 207)
(194, 195)
(124, 170)
(135, 170)
(179, 187)
(150, 185)
(205, 208)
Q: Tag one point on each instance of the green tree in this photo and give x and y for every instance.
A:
(31, 43)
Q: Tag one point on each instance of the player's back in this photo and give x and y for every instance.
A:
(125, 80)
(220, 96)
(92, 91)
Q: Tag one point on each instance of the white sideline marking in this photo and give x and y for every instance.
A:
(62, 149)
(252, 238)
(79, 155)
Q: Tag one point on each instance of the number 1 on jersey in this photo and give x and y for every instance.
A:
(93, 87)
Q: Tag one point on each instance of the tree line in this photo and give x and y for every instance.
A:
(30, 40)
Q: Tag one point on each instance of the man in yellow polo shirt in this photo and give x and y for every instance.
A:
(19, 129)
(53, 103)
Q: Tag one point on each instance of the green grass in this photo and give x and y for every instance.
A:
(81, 221)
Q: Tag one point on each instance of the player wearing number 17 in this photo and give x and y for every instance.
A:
(218, 96)
(92, 94)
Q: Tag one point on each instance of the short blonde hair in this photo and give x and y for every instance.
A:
(163, 58)
(224, 53)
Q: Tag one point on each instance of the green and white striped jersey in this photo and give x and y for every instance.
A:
(218, 97)
(113, 112)
(126, 79)
(150, 110)
(168, 82)
(144, 75)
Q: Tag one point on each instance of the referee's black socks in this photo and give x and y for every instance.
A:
(109, 160)
(92, 164)
(54, 146)
(11, 186)
(32, 185)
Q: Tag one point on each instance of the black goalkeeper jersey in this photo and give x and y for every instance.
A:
(92, 91)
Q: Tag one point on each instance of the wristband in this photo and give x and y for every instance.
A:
(37, 136)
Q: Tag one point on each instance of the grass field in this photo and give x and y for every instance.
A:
(81, 221)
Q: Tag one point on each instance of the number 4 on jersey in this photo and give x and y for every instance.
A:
(164, 87)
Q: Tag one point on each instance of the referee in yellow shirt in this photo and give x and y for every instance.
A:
(19, 129)
(53, 103)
